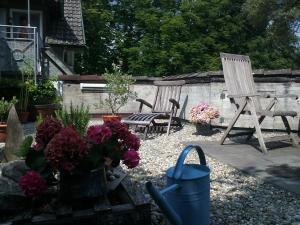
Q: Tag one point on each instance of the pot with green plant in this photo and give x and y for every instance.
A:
(4, 110)
(44, 97)
(119, 92)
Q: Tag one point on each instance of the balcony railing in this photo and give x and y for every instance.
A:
(19, 44)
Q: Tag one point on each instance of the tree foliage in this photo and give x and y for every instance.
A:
(165, 37)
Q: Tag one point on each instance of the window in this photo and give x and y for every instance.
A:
(19, 18)
(68, 58)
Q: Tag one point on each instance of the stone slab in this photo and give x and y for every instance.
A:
(281, 166)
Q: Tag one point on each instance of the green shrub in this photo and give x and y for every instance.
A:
(42, 93)
(77, 116)
(5, 107)
(27, 74)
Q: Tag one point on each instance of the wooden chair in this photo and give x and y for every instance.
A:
(164, 107)
(245, 99)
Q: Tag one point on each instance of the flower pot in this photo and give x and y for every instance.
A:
(111, 118)
(204, 129)
(45, 110)
(23, 116)
(83, 185)
(3, 132)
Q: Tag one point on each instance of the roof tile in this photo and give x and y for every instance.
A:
(69, 29)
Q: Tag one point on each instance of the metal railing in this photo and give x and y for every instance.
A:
(28, 36)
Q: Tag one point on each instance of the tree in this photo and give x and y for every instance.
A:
(98, 21)
(165, 37)
(274, 43)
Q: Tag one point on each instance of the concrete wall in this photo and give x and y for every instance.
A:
(201, 88)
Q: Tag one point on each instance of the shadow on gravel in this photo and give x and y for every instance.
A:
(237, 198)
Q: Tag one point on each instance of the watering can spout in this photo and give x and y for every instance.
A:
(172, 216)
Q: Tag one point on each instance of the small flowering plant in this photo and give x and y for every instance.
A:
(203, 113)
(61, 149)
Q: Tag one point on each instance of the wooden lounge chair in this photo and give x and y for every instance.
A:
(165, 106)
(246, 100)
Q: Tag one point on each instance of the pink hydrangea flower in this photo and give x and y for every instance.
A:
(32, 184)
(203, 113)
(99, 134)
(131, 158)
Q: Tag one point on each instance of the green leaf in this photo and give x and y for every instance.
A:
(35, 160)
(25, 147)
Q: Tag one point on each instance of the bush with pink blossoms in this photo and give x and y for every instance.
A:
(61, 149)
(32, 184)
(203, 113)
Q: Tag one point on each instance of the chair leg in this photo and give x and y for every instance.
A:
(261, 118)
(233, 121)
(146, 132)
(288, 130)
(169, 125)
(257, 127)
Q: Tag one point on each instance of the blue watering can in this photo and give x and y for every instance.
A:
(185, 200)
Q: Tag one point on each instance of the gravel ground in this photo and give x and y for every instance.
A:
(236, 198)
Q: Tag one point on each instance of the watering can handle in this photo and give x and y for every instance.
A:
(180, 162)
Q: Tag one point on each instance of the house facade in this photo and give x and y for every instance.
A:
(44, 34)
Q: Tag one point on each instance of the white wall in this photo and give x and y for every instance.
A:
(191, 95)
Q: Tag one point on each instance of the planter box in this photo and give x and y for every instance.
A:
(123, 206)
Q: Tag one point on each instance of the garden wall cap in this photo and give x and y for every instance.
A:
(260, 75)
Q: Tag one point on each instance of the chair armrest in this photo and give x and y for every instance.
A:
(243, 95)
(174, 102)
(143, 102)
(285, 96)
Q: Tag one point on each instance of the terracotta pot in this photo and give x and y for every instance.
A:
(23, 116)
(3, 132)
(45, 110)
(111, 118)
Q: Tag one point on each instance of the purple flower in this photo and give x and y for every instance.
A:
(131, 158)
(98, 134)
(45, 132)
(131, 141)
(32, 184)
(66, 150)
(119, 129)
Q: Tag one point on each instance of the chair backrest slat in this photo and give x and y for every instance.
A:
(238, 77)
(165, 91)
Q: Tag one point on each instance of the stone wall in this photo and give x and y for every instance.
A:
(200, 87)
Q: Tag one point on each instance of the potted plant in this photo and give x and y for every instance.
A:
(78, 162)
(201, 115)
(76, 116)
(44, 97)
(4, 110)
(22, 106)
(119, 92)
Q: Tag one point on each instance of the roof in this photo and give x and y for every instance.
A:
(68, 30)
